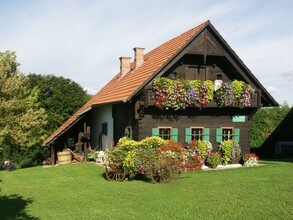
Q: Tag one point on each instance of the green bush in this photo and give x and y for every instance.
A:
(268, 126)
(214, 159)
(231, 151)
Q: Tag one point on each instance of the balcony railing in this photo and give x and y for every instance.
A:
(254, 100)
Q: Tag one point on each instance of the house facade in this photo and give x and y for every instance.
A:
(129, 105)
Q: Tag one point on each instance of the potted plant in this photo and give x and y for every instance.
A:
(250, 160)
(214, 159)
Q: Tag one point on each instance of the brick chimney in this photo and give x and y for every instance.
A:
(138, 56)
(124, 65)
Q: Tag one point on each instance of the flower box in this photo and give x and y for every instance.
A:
(254, 100)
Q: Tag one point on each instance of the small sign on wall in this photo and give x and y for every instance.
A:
(238, 118)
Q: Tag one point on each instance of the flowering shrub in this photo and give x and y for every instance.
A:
(127, 143)
(230, 150)
(139, 157)
(193, 156)
(152, 142)
(250, 160)
(200, 148)
(171, 153)
(204, 148)
(179, 94)
(192, 161)
(214, 159)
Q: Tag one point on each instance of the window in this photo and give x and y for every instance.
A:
(166, 133)
(227, 133)
(197, 133)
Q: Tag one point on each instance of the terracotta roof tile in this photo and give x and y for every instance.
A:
(119, 89)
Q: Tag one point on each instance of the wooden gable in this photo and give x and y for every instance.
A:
(207, 56)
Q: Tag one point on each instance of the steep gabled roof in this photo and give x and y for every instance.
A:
(120, 89)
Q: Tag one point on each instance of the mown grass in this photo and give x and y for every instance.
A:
(81, 192)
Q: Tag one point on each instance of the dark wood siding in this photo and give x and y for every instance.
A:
(122, 117)
(208, 118)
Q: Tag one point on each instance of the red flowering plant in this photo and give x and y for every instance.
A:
(162, 88)
(171, 154)
(250, 160)
(192, 160)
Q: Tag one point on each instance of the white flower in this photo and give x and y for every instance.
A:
(218, 83)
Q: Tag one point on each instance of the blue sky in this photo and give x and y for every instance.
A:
(83, 39)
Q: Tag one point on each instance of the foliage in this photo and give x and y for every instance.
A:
(180, 93)
(192, 160)
(99, 156)
(31, 107)
(152, 142)
(204, 148)
(230, 150)
(200, 148)
(139, 157)
(238, 88)
(214, 159)
(60, 97)
(22, 119)
(265, 121)
(250, 160)
(171, 153)
(224, 96)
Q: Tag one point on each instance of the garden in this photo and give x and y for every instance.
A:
(161, 160)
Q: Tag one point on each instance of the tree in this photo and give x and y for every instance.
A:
(60, 97)
(264, 122)
(22, 120)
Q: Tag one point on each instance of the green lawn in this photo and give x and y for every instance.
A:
(80, 192)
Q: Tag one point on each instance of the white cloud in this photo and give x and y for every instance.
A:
(83, 40)
(272, 89)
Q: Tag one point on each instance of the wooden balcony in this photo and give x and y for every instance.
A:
(255, 100)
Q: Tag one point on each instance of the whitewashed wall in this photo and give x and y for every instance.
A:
(99, 116)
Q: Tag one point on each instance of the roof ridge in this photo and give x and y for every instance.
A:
(186, 32)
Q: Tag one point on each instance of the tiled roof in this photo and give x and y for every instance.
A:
(119, 89)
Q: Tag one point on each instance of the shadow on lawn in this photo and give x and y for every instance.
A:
(13, 207)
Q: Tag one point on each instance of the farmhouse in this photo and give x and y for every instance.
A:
(193, 86)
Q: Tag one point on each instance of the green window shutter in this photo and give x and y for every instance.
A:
(219, 134)
(237, 134)
(187, 135)
(206, 134)
(155, 131)
(174, 134)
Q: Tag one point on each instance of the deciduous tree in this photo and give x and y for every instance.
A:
(22, 120)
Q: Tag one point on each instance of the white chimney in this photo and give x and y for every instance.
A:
(138, 56)
(124, 65)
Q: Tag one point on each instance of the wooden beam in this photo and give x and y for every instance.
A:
(53, 159)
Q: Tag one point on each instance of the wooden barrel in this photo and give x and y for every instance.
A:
(64, 157)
